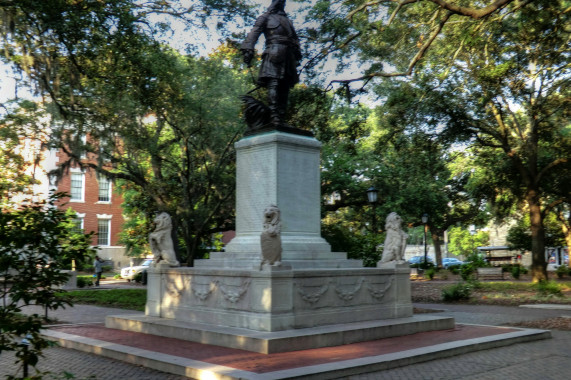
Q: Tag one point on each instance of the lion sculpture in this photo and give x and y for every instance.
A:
(161, 242)
(270, 238)
(395, 242)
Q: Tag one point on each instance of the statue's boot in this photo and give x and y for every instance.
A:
(276, 109)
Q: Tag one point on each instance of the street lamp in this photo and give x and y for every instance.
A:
(372, 195)
(425, 222)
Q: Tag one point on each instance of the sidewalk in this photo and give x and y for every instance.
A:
(544, 359)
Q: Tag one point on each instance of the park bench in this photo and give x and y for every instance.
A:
(493, 273)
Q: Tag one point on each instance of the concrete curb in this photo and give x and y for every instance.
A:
(150, 359)
(197, 369)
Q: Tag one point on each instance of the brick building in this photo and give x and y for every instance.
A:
(98, 209)
(97, 205)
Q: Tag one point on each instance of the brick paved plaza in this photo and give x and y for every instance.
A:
(543, 359)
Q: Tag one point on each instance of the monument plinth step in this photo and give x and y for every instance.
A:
(280, 341)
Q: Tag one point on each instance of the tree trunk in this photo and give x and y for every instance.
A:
(437, 248)
(174, 237)
(191, 250)
(538, 263)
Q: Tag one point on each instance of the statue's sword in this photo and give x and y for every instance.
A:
(254, 82)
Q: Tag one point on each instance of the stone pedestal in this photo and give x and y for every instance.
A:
(282, 169)
(277, 298)
(71, 282)
(229, 296)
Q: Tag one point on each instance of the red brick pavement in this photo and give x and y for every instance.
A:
(262, 363)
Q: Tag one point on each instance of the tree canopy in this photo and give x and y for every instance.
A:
(495, 79)
(162, 122)
(470, 104)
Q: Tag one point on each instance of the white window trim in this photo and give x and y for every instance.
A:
(83, 138)
(82, 200)
(81, 216)
(82, 221)
(108, 218)
(110, 191)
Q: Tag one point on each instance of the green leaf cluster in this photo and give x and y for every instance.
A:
(34, 243)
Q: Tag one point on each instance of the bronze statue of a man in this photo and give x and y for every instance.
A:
(280, 58)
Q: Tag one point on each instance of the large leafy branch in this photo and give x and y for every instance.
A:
(352, 26)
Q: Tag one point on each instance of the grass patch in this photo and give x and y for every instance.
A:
(504, 286)
(509, 286)
(517, 293)
(132, 299)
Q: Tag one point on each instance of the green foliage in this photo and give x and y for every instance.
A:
(473, 262)
(516, 271)
(412, 171)
(477, 260)
(357, 245)
(562, 271)
(134, 299)
(105, 74)
(429, 273)
(548, 288)
(467, 271)
(462, 242)
(498, 85)
(83, 281)
(15, 124)
(519, 236)
(182, 163)
(34, 240)
(458, 292)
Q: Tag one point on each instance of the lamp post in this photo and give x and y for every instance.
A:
(372, 195)
(425, 222)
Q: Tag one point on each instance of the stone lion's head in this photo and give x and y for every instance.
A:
(162, 221)
(271, 215)
(393, 222)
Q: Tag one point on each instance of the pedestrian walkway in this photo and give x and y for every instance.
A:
(544, 359)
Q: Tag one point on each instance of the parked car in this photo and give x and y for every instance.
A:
(420, 260)
(449, 261)
(129, 273)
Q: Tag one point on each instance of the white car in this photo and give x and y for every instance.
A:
(129, 273)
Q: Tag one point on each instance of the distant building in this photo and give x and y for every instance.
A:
(98, 207)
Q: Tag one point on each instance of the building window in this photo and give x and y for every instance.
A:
(77, 226)
(104, 232)
(52, 180)
(83, 146)
(104, 189)
(77, 187)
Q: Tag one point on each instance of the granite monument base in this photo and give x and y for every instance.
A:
(279, 308)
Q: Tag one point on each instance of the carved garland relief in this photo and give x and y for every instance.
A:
(309, 295)
(233, 293)
(203, 291)
(172, 288)
(346, 292)
(379, 292)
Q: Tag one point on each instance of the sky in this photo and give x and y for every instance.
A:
(180, 39)
(204, 42)
(7, 83)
